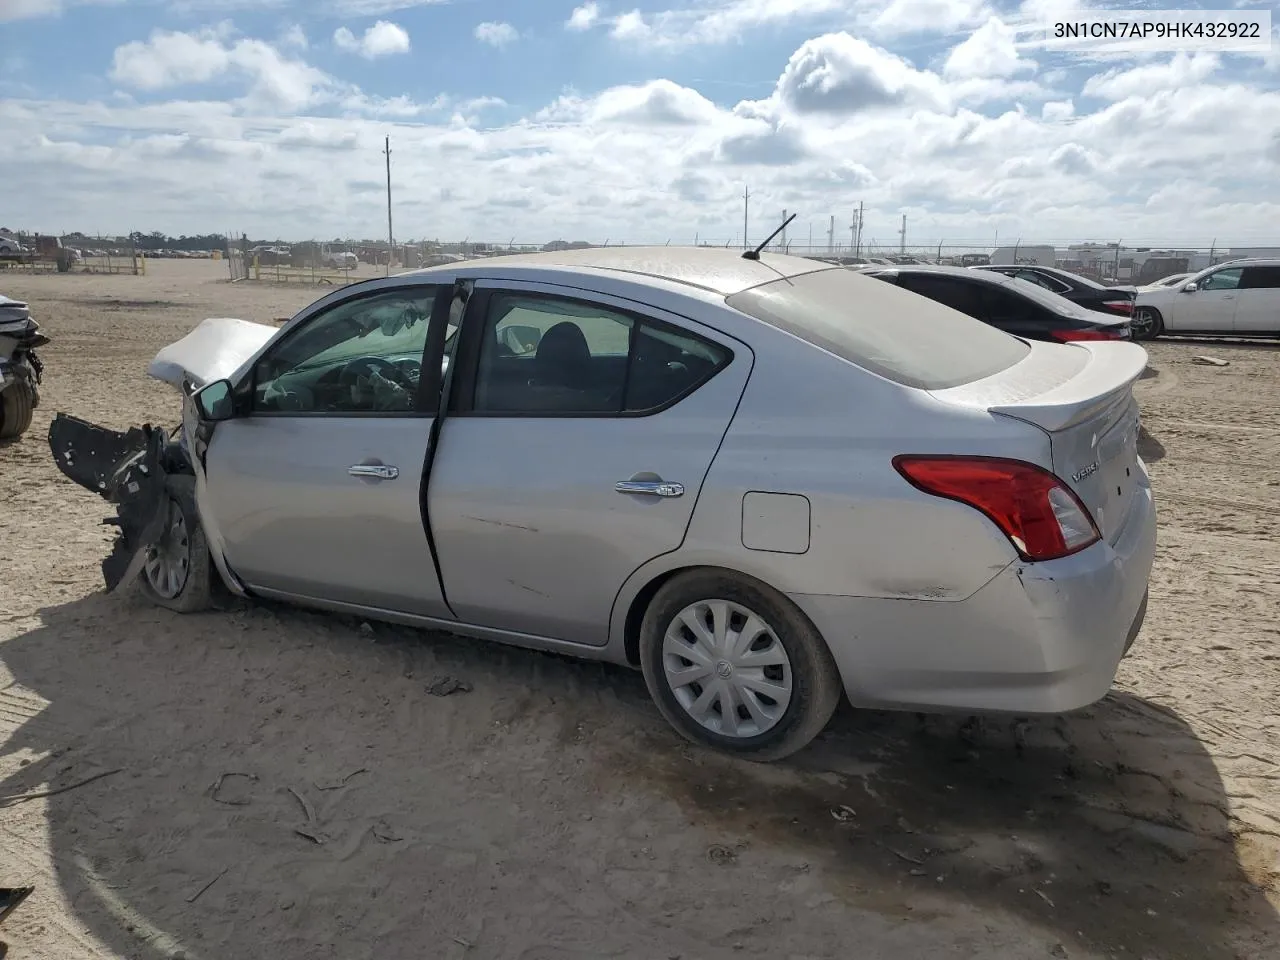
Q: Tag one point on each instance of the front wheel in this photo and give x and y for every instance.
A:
(1147, 324)
(176, 572)
(17, 407)
(734, 665)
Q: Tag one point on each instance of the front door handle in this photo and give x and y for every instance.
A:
(373, 471)
(650, 488)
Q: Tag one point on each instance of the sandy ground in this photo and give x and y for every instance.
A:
(549, 812)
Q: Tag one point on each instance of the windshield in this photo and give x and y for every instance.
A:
(883, 328)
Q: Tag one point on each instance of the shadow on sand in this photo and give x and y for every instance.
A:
(1107, 829)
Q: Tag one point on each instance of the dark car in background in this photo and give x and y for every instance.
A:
(1090, 294)
(1016, 306)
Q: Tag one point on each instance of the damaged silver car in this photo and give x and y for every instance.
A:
(767, 482)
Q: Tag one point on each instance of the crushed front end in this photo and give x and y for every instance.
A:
(128, 469)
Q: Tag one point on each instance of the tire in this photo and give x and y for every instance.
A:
(195, 590)
(17, 406)
(1144, 331)
(815, 686)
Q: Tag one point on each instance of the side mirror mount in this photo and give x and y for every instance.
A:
(215, 401)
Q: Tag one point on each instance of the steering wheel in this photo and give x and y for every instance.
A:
(353, 369)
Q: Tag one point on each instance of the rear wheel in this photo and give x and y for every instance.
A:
(176, 573)
(734, 665)
(1147, 324)
(17, 406)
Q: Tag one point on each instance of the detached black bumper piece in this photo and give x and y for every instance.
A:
(125, 469)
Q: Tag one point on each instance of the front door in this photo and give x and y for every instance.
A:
(1211, 308)
(316, 490)
(1258, 306)
(581, 432)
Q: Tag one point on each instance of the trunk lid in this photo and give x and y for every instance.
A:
(1081, 395)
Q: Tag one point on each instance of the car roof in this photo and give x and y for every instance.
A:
(969, 273)
(717, 269)
(1247, 262)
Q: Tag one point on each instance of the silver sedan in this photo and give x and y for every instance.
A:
(766, 483)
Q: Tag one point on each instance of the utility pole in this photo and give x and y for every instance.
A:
(902, 236)
(831, 235)
(746, 205)
(784, 231)
(858, 251)
(391, 244)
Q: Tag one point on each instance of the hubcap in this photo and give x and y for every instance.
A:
(1142, 322)
(170, 559)
(727, 668)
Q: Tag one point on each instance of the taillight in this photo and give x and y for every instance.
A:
(1119, 306)
(1039, 514)
(1090, 333)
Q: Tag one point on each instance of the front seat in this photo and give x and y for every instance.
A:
(563, 358)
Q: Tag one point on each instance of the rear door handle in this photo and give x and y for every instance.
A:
(373, 471)
(650, 488)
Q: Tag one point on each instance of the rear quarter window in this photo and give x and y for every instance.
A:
(882, 328)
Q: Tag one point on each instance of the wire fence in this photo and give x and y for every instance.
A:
(337, 262)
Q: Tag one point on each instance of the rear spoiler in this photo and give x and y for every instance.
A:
(1111, 371)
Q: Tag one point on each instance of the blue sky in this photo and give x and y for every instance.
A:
(626, 121)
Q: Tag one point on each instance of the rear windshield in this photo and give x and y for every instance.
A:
(892, 332)
(1054, 302)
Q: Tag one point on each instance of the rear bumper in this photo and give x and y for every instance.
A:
(1038, 638)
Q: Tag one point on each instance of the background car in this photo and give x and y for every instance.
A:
(1240, 298)
(1115, 300)
(1007, 303)
(765, 483)
(1170, 281)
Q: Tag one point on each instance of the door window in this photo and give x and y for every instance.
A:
(1222, 280)
(1261, 278)
(551, 355)
(360, 356)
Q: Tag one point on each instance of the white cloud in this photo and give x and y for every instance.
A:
(1179, 72)
(24, 9)
(496, 33)
(631, 26)
(840, 74)
(170, 59)
(1055, 111)
(583, 17)
(847, 120)
(715, 21)
(383, 39)
(989, 51)
(294, 36)
(928, 16)
(372, 8)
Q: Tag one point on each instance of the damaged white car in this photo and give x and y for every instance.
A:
(768, 482)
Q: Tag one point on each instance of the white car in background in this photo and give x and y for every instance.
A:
(1170, 281)
(1240, 298)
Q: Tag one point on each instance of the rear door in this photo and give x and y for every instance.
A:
(580, 432)
(315, 491)
(1258, 305)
